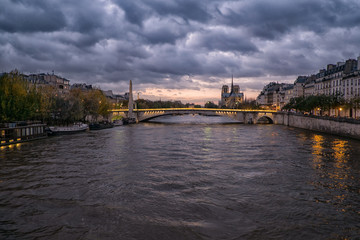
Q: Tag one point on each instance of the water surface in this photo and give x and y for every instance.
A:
(183, 177)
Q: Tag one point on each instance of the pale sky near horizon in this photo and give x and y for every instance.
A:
(177, 49)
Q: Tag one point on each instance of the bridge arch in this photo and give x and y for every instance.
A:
(156, 115)
(146, 116)
(265, 119)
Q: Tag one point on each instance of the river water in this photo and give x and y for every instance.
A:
(184, 177)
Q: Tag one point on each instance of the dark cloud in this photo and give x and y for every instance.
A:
(135, 11)
(172, 60)
(227, 41)
(170, 43)
(161, 31)
(30, 16)
(272, 19)
(186, 9)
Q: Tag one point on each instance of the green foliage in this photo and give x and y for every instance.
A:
(95, 103)
(307, 104)
(247, 104)
(147, 104)
(21, 101)
(210, 104)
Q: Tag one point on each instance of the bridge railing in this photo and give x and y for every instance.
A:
(193, 109)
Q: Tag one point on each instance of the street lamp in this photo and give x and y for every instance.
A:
(340, 109)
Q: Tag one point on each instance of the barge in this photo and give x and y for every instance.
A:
(13, 133)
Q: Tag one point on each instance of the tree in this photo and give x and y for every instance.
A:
(247, 104)
(309, 103)
(210, 104)
(95, 104)
(356, 103)
(75, 108)
(19, 100)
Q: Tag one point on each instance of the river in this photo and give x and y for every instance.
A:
(182, 177)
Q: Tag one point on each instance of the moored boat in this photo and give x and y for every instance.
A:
(76, 128)
(129, 121)
(118, 123)
(99, 126)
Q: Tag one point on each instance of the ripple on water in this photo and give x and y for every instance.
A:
(182, 181)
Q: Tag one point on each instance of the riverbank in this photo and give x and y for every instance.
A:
(346, 127)
(19, 132)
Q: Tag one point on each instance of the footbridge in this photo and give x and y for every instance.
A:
(240, 115)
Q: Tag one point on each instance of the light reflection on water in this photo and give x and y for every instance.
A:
(193, 119)
(189, 177)
(331, 161)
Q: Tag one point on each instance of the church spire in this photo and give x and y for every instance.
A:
(232, 83)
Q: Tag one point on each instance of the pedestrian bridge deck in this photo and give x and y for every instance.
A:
(241, 115)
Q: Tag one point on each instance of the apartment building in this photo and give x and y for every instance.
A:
(342, 79)
(41, 79)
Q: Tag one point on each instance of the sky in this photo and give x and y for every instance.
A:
(177, 49)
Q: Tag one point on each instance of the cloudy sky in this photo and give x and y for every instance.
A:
(177, 49)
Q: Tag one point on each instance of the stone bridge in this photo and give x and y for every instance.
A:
(240, 115)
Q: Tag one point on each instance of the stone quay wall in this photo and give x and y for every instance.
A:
(338, 126)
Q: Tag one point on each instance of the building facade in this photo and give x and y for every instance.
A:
(341, 79)
(61, 84)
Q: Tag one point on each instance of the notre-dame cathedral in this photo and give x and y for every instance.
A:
(233, 98)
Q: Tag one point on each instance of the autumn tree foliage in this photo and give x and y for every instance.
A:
(23, 101)
(19, 100)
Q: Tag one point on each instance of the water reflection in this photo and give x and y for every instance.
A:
(16, 146)
(331, 161)
(317, 150)
(193, 119)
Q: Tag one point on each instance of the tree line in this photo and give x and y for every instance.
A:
(322, 102)
(21, 100)
(148, 104)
